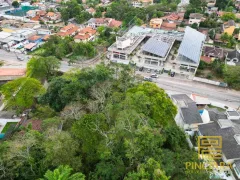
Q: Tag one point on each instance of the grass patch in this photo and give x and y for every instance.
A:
(39, 51)
(8, 125)
(218, 108)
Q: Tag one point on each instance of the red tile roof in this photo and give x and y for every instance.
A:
(68, 30)
(168, 26)
(206, 59)
(35, 18)
(115, 23)
(12, 72)
(34, 38)
(30, 45)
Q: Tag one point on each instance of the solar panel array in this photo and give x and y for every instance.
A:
(156, 47)
(191, 45)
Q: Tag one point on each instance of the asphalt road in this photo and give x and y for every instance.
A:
(214, 93)
(11, 61)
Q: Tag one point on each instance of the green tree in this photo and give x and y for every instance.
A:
(42, 67)
(228, 16)
(232, 76)
(63, 173)
(15, 4)
(21, 93)
(194, 26)
(149, 170)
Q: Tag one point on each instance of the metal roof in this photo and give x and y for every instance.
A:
(191, 45)
(156, 47)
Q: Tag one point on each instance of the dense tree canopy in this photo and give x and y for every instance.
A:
(110, 126)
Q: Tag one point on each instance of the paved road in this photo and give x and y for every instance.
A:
(177, 85)
(11, 61)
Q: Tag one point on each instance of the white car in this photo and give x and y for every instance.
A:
(154, 76)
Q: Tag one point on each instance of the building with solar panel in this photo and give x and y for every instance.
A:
(155, 51)
(190, 50)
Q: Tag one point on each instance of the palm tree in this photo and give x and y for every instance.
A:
(63, 173)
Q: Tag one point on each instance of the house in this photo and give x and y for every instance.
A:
(43, 31)
(8, 74)
(69, 30)
(109, 22)
(91, 11)
(114, 23)
(201, 101)
(181, 7)
(195, 18)
(30, 47)
(156, 23)
(52, 16)
(229, 27)
(40, 6)
(188, 116)
(35, 39)
(190, 50)
(41, 13)
(174, 17)
(229, 130)
(213, 52)
(210, 3)
(141, 3)
(233, 58)
(31, 13)
(85, 35)
(168, 26)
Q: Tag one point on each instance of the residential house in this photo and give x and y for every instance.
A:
(233, 57)
(85, 35)
(188, 116)
(30, 47)
(69, 30)
(43, 31)
(40, 6)
(141, 3)
(174, 17)
(31, 13)
(229, 130)
(190, 50)
(195, 18)
(35, 39)
(168, 26)
(52, 16)
(97, 22)
(156, 23)
(213, 52)
(91, 11)
(229, 27)
(210, 3)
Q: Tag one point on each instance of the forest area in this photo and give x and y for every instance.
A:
(96, 123)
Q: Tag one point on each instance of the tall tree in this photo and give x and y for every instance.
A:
(63, 173)
(21, 93)
(42, 67)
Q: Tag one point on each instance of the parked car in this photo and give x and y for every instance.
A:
(20, 58)
(172, 74)
(147, 79)
(154, 76)
(149, 70)
(141, 69)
